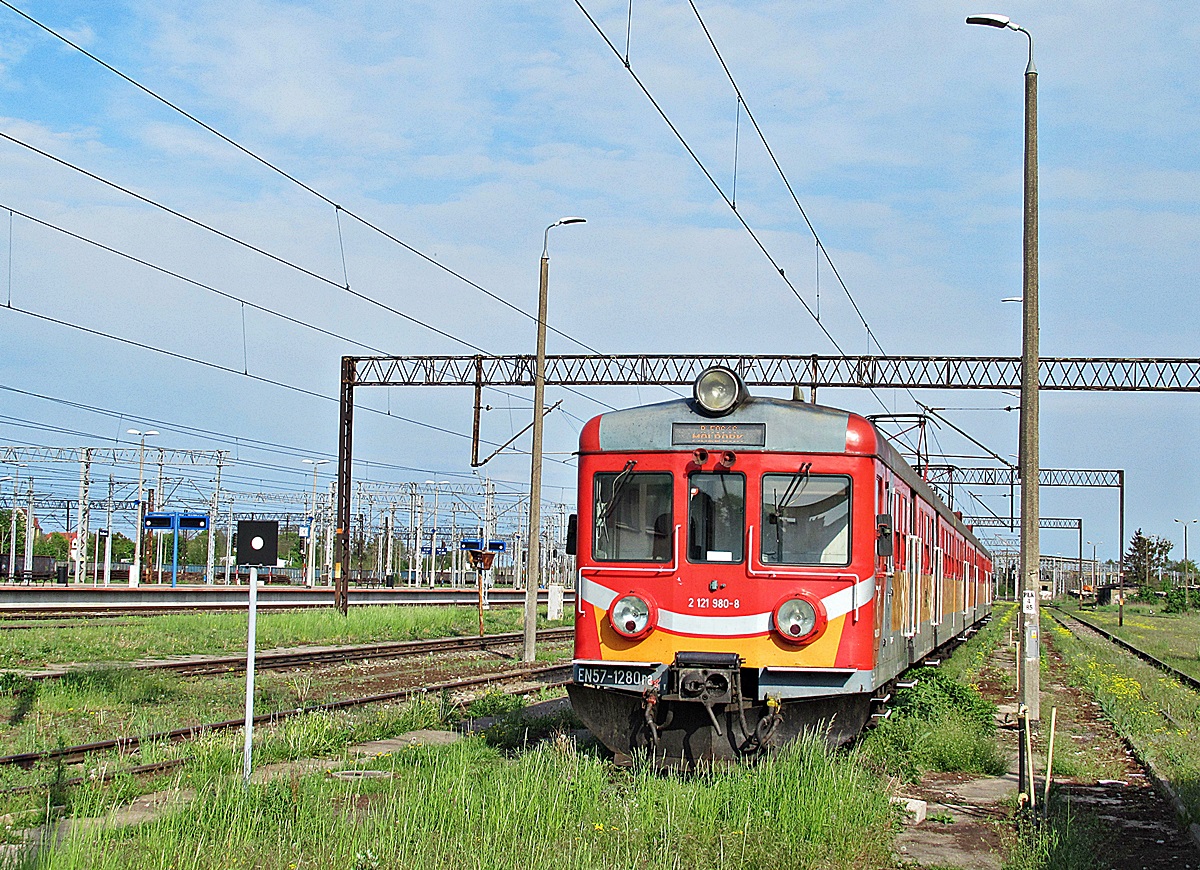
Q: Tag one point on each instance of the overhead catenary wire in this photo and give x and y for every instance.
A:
(820, 247)
(254, 248)
(338, 208)
(217, 366)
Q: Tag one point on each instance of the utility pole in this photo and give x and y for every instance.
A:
(108, 536)
(29, 534)
(81, 532)
(210, 565)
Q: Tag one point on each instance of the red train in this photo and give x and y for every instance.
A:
(751, 567)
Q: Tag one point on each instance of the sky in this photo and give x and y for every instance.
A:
(462, 130)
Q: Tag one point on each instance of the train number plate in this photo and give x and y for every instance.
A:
(621, 676)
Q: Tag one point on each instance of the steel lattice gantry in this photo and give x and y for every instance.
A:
(879, 372)
(1109, 374)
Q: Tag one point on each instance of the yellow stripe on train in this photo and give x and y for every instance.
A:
(758, 651)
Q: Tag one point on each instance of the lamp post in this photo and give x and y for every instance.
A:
(1187, 571)
(1093, 544)
(310, 553)
(141, 511)
(532, 564)
(433, 530)
(1028, 462)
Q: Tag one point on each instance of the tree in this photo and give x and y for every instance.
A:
(6, 529)
(1145, 559)
(55, 544)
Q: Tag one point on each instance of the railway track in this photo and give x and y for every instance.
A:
(69, 754)
(312, 656)
(1186, 679)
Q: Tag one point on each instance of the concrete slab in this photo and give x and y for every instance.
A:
(289, 769)
(412, 738)
(147, 808)
(949, 846)
(985, 790)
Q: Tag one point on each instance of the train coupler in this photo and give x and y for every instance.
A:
(709, 679)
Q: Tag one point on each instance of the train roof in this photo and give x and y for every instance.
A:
(759, 423)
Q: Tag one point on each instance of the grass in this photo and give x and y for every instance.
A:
(1061, 841)
(504, 799)
(176, 634)
(943, 723)
(1155, 712)
(1172, 637)
(105, 701)
(469, 805)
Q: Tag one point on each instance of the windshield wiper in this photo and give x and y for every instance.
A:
(618, 487)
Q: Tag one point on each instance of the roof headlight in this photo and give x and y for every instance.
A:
(631, 615)
(718, 390)
(796, 620)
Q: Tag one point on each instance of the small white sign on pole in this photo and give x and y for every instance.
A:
(250, 642)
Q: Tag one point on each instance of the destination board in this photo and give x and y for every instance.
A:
(722, 434)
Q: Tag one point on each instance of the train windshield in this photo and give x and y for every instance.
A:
(633, 516)
(716, 517)
(805, 519)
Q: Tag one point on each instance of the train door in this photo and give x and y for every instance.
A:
(939, 601)
(912, 566)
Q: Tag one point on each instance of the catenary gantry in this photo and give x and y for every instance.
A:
(813, 371)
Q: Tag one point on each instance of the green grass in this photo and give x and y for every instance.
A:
(468, 805)
(943, 723)
(225, 633)
(1172, 637)
(1061, 841)
(940, 724)
(503, 799)
(1155, 712)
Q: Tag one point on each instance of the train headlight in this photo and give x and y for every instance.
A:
(718, 391)
(796, 619)
(631, 616)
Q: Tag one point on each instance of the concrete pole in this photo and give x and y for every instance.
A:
(210, 566)
(229, 544)
(391, 539)
(85, 519)
(29, 534)
(533, 564)
(12, 541)
(108, 536)
(329, 531)
(1029, 447)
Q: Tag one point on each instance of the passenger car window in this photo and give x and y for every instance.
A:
(805, 519)
(716, 517)
(634, 517)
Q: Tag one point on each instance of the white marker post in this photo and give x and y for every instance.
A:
(250, 673)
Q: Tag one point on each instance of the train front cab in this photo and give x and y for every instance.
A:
(730, 598)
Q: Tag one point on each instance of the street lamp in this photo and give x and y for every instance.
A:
(1186, 568)
(1094, 543)
(141, 512)
(436, 484)
(533, 561)
(310, 556)
(1028, 460)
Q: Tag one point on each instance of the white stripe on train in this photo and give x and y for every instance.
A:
(836, 604)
